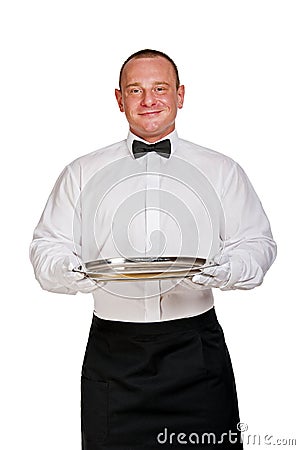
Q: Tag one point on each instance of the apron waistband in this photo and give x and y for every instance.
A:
(200, 321)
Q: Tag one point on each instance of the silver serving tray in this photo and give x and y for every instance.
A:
(142, 268)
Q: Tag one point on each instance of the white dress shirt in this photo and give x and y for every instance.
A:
(196, 203)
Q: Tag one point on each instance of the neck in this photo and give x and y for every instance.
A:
(152, 139)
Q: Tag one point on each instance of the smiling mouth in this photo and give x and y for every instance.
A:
(149, 113)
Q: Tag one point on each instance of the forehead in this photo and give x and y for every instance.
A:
(150, 69)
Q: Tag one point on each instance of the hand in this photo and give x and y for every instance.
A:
(217, 276)
(74, 281)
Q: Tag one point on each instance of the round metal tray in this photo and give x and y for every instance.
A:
(142, 268)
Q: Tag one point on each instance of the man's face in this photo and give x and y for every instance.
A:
(149, 97)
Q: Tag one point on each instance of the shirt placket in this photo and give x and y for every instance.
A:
(152, 234)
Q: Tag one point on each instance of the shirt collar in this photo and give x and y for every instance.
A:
(173, 136)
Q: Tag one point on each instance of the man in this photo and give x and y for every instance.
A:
(156, 369)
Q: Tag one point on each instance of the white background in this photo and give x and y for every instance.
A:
(60, 60)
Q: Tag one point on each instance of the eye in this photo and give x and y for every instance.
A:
(160, 89)
(135, 90)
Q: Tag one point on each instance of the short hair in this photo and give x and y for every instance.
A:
(149, 53)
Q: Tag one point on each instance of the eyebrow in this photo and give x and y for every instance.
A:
(156, 83)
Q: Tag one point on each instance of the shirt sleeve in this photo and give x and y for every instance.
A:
(53, 239)
(247, 239)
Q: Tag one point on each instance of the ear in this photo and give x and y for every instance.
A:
(119, 98)
(180, 96)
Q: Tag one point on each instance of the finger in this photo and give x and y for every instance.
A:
(88, 285)
(221, 258)
(74, 276)
(88, 290)
(188, 283)
(210, 271)
(72, 264)
(201, 279)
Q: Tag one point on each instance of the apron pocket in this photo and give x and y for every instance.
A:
(94, 410)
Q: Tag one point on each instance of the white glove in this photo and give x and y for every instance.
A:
(216, 276)
(73, 281)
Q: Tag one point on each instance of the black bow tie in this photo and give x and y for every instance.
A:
(163, 148)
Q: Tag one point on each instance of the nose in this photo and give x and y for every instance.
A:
(149, 98)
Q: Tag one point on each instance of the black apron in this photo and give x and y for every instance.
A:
(158, 385)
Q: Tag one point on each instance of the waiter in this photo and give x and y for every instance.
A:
(156, 371)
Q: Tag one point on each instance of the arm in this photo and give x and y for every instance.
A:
(248, 248)
(54, 251)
